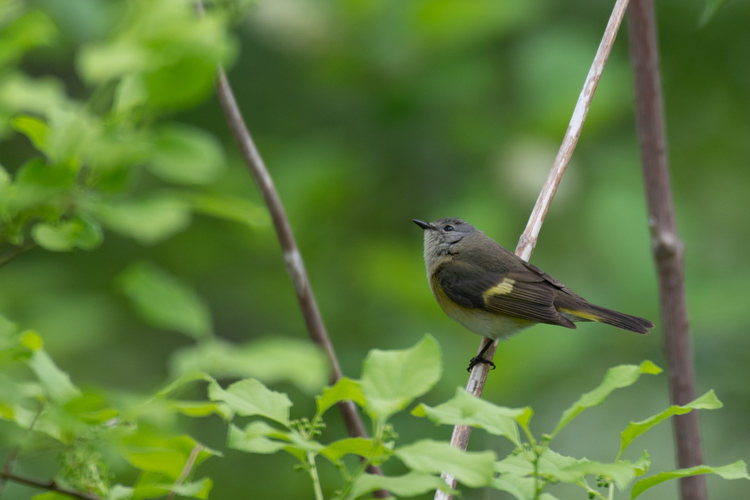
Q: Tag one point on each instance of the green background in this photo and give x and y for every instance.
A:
(371, 113)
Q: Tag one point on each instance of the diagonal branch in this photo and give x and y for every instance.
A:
(292, 257)
(189, 463)
(50, 485)
(667, 247)
(527, 242)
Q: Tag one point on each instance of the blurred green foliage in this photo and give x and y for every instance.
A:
(368, 114)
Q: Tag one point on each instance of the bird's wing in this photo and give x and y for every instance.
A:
(521, 293)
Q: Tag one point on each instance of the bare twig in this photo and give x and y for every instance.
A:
(189, 463)
(8, 465)
(50, 485)
(527, 242)
(667, 247)
(15, 252)
(292, 257)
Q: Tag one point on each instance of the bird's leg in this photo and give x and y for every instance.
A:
(479, 359)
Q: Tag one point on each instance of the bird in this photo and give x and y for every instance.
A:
(492, 292)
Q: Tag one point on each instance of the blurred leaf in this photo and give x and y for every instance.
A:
(365, 448)
(344, 390)
(196, 489)
(229, 207)
(706, 402)
(616, 378)
(182, 381)
(408, 485)
(164, 301)
(99, 63)
(148, 450)
(465, 409)
(259, 437)
(621, 473)
(474, 469)
(65, 235)
(148, 220)
(255, 438)
(36, 173)
(737, 470)
(392, 379)
(33, 128)
(186, 155)
(269, 359)
(130, 93)
(202, 409)
(522, 488)
(32, 29)
(250, 397)
(712, 7)
(19, 93)
(55, 382)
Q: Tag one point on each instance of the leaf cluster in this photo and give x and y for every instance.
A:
(391, 380)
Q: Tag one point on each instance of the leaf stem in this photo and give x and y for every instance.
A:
(313, 471)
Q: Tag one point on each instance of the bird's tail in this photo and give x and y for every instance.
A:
(590, 312)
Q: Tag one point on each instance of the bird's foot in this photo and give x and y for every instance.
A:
(478, 360)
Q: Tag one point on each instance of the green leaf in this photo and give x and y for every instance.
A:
(197, 489)
(186, 155)
(148, 220)
(149, 450)
(641, 465)
(66, 235)
(392, 379)
(366, 448)
(621, 473)
(164, 301)
(465, 409)
(33, 128)
(259, 437)
(99, 63)
(616, 378)
(229, 208)
(345, 389)
(706, 402)
(522, 488)
(55, 382)
(36, 173)
(183, 380)
(269, 359)
(408, 485)
(737, 470)
(250, 397)
(202, 409)
(255, 438)
(474, 469)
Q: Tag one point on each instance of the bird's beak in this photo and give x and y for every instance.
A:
(424, 225)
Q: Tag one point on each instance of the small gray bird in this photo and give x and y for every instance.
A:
(493, 292)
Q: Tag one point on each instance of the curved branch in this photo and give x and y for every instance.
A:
(50, 485)
(527, 242)
(292, 257)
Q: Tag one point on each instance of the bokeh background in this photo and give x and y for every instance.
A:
(371, 113)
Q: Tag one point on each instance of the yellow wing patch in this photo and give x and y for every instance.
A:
(581, 314)
(502, 288)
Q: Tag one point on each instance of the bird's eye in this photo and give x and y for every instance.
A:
(448, 228)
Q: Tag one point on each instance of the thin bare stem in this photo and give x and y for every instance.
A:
(292, 257)
(15, 252)
(50, 485)
(8, 466)
(189, 463)
(666, 244)
(527, 242)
